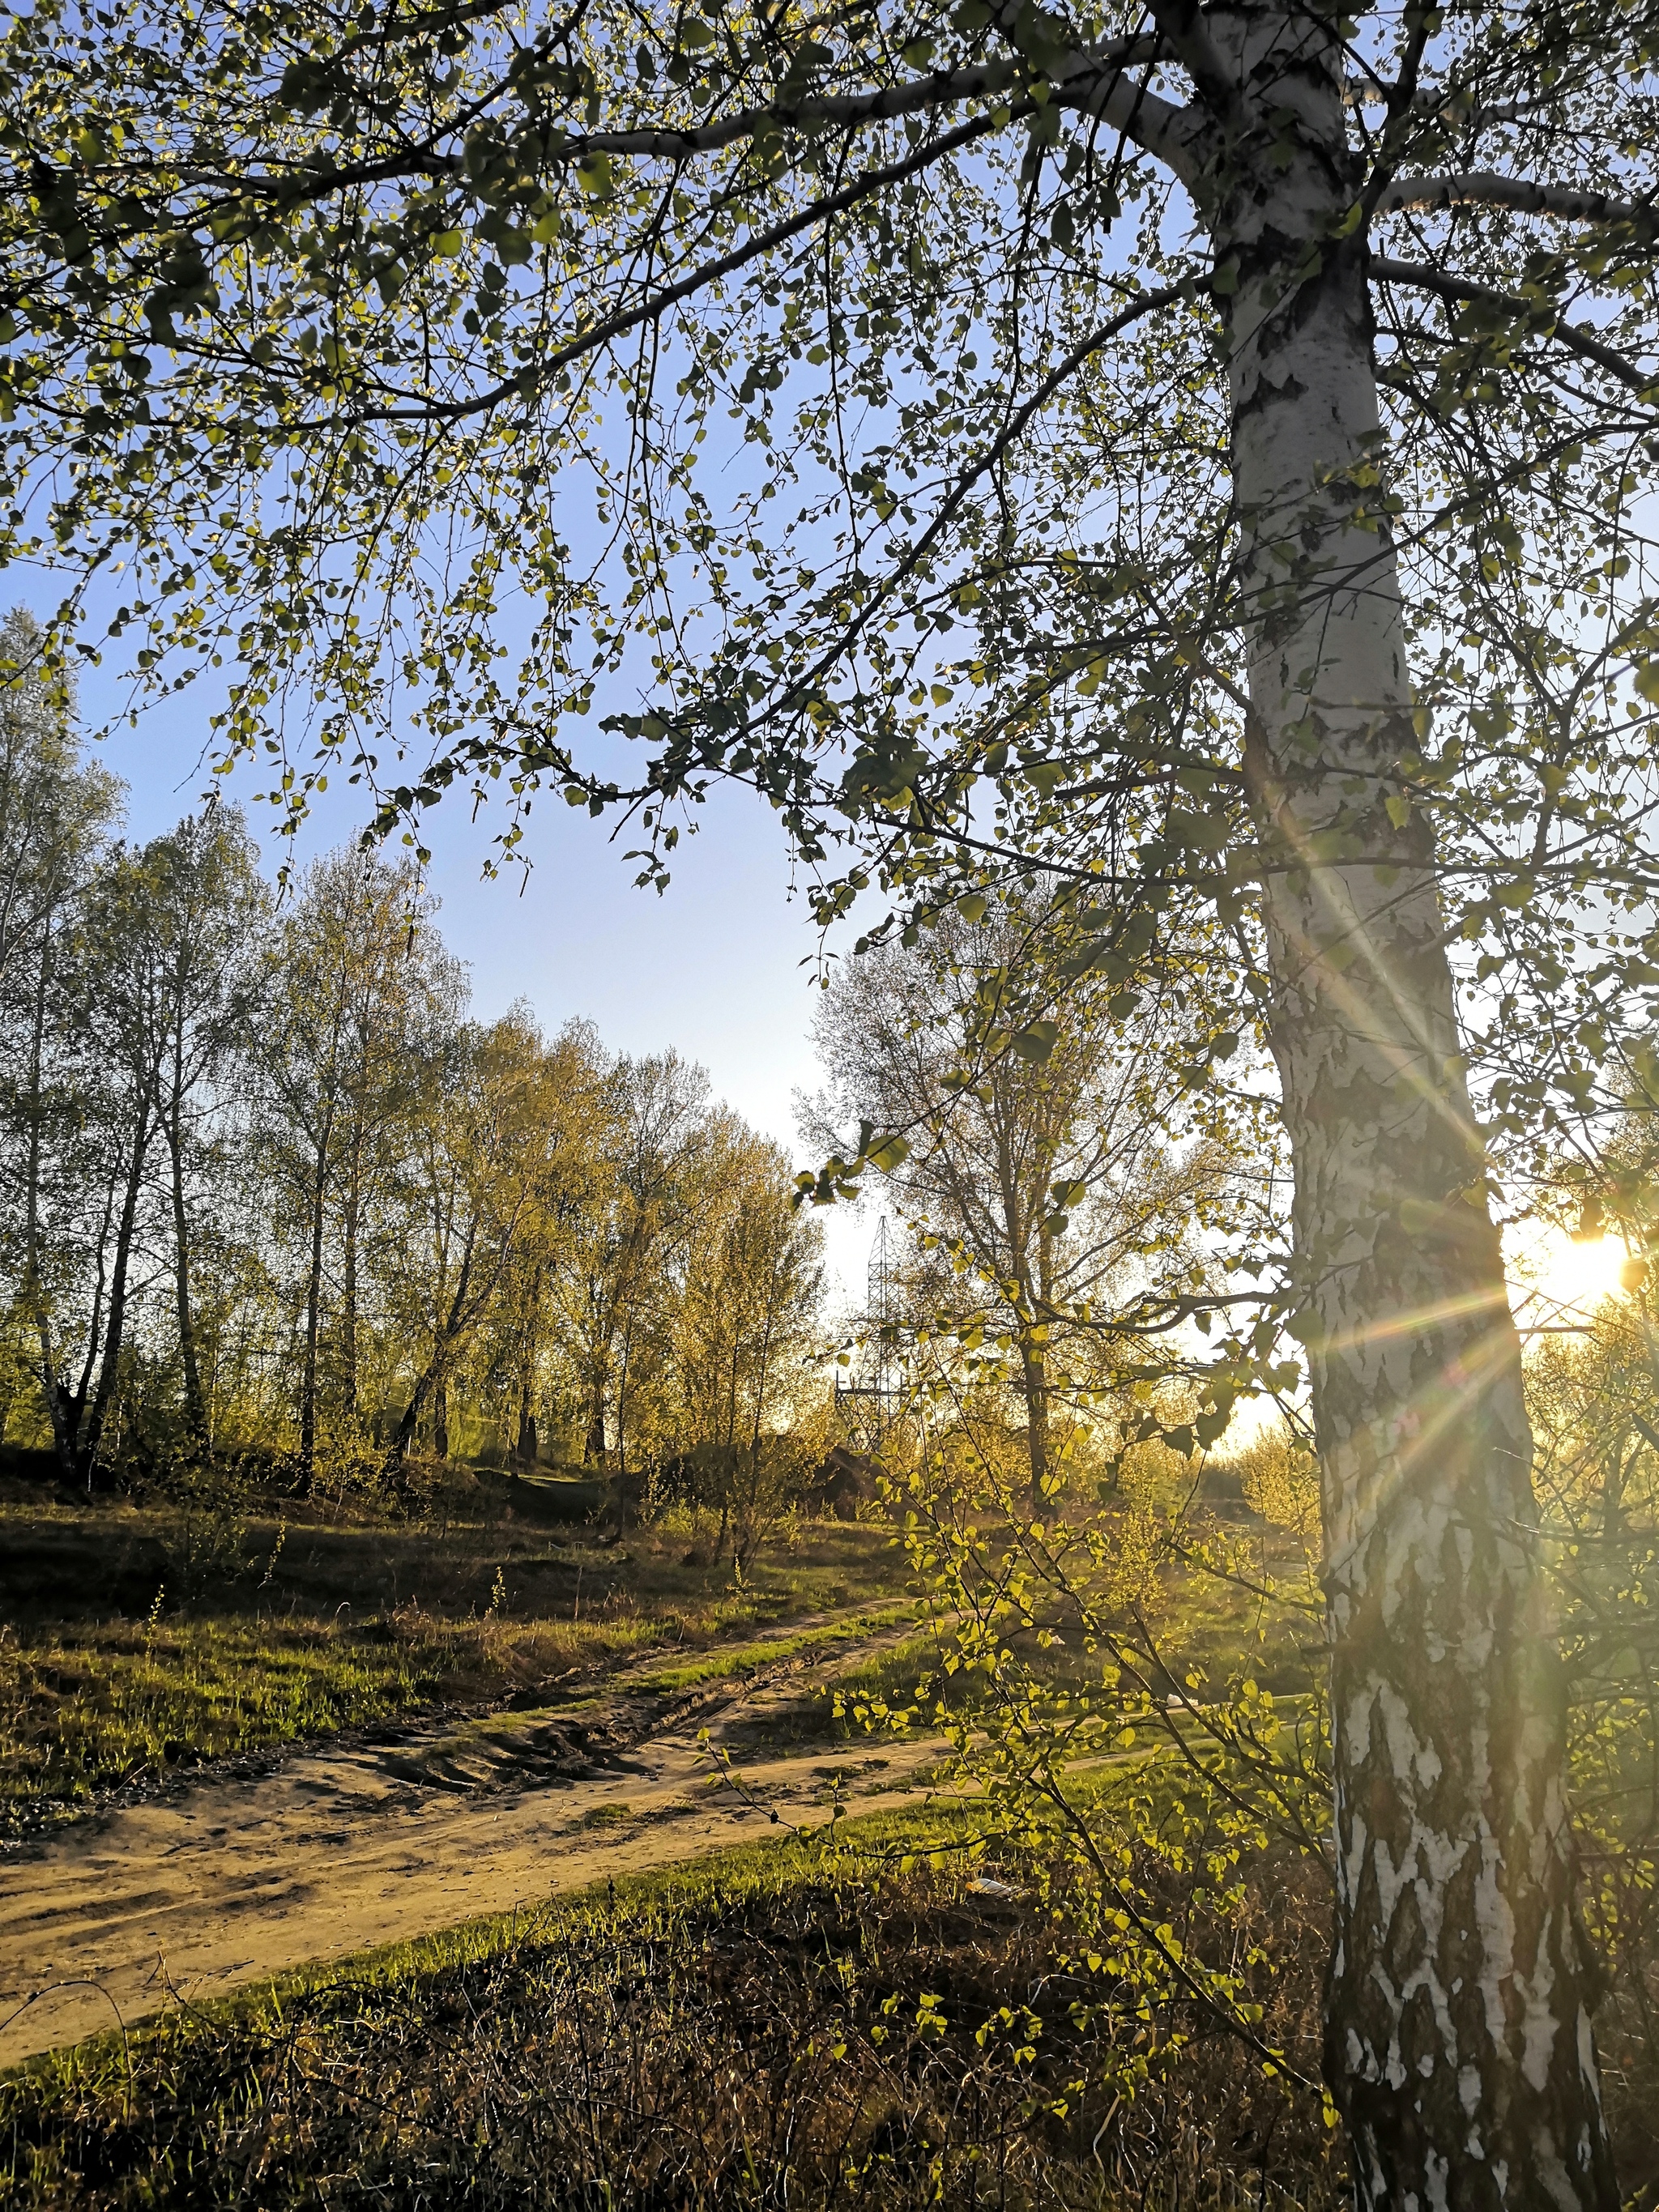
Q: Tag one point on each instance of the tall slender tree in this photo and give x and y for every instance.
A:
(363, 994)
(1046, 1180)
(501, 1118)
(745, 1334)
(618, 1293)
(115, 1011)
(56, 811)
(210, 908)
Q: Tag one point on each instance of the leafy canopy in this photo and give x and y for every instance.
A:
(834, 399)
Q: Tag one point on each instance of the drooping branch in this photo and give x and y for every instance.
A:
(658, 303)
(1144, 304)
(1573, 336)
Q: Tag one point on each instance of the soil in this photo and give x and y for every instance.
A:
(240, 1875)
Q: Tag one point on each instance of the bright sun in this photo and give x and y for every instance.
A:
(1552, 1271)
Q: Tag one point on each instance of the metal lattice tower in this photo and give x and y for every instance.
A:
(878, 1291)
(870, 1405)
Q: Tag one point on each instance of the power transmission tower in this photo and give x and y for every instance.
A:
(869, 1405)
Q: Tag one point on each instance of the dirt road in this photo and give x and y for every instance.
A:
(232, 1881)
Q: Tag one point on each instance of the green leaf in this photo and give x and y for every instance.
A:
(1035, 1043)
(888, 1153)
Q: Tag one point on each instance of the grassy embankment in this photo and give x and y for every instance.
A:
(125, 1656)
(788, 2026)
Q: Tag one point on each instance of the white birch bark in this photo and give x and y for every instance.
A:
(1458, 2040)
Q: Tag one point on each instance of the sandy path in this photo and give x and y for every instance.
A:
(342, 1849)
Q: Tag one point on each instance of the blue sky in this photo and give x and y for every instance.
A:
(712, 967)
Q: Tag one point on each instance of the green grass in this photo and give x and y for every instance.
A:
(333, 1626)
(839, 2022)
(614, 1815)
(769, 1651)
(63, 1562)
(330, 1622)
(891, 1677)
(79, 1710)
(85, 1708)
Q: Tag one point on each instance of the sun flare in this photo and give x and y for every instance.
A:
(1554, 1273)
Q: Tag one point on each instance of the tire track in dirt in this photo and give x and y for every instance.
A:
(186, 1898)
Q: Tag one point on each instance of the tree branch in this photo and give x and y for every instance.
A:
(1089, 79)
(943, 88)
(1187, 35)
(657, 305)
(1571, 335)
(1170, 134)
(1146, 303)
(835, 110)
(1485, 188)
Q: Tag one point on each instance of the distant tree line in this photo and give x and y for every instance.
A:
(267, 1186)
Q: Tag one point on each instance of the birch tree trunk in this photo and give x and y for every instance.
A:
(195, 1418)
(1033, 1388)
(352, 1212)
(318, 1196)
(65, 1419)
(97, 1414)
(1458, 2041)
